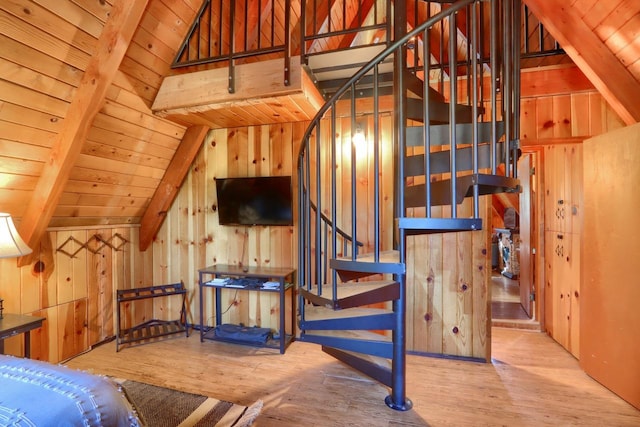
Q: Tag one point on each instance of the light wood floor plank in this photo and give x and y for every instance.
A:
(532, 381)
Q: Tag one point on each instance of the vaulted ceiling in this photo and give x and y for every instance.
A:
(80, 145)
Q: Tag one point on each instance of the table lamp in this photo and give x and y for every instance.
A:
(11, 244)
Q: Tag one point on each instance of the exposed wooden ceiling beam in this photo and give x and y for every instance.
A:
(591, 55)
(170, 185)
(111, 47)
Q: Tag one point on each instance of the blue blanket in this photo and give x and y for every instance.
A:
(34, 393)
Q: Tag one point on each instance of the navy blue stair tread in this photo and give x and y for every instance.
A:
(345, 290)
(363, 342)
(315, 313)
(438, 225)
(439, 133)
(439, 162)
(416, 85)
(388, 262)
(321, 318)
(438, 111)
(352, 294)
(441, 193)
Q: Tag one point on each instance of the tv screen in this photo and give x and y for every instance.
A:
(255, 200)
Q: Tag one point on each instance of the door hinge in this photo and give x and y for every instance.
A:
(532, 296)
(532, 171)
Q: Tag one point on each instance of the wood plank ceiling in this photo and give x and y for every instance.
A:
(51, 100)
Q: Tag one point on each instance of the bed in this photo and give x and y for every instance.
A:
(34, 393)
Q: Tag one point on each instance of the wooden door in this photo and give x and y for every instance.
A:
(609, 325)
(525, 253)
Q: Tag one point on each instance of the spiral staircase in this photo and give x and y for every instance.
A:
(450, 140)
(432, 89)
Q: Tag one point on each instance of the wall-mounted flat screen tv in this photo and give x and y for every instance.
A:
(255, 200)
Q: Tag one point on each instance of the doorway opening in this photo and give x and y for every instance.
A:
(515, 223)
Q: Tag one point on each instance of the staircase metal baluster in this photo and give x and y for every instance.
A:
(245, 25)
(506, 86)
(468, 59)
(442, 52)
(308, 216)
(325, 252)
(199, 36)
(302, 221)
(389, 22)
(287, 39)
(376, 162)
(273, 27)
(232, 42)
(426, 119)
(481, 50)
(318, 178)
(220, 20)
(515, 66)
(303, 32)
(354, 201)
(209, 38)
(474, 67)
(493, 57)
(453, 91)
(334, 203)
(344, 15)
(526, 29)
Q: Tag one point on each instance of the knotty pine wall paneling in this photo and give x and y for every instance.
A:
(191, 237)
(448, 293)
(76, 294)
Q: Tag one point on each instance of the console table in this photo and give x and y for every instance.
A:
(14, 324)
(249, 279)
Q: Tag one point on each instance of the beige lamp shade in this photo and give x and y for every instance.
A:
(11, 244)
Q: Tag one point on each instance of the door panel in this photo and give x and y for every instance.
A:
(526, 257)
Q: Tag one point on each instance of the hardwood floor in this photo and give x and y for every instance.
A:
(531, 381)
(506, 310)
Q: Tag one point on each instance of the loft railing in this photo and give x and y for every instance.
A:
(230, 30)
(342, 24)
(225, 31)
(536, 40)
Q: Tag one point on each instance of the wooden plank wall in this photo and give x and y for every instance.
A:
(191, 238)
(558, 116)
(448, 289)
(76, 294)
(451, 315)
(565, 115)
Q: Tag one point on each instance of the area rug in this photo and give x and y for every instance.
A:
(164, 407)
